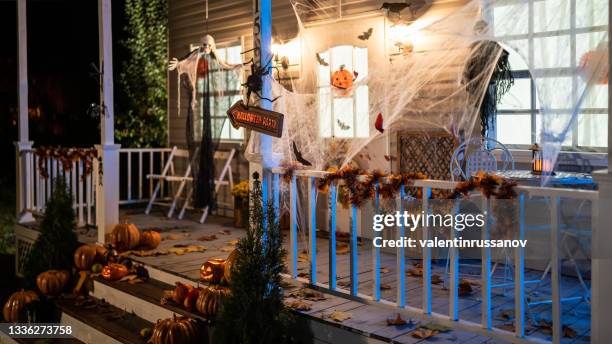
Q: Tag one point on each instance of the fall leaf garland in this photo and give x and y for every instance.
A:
(66, 156)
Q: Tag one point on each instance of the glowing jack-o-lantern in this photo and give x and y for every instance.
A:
(212, 271)
(114, 271)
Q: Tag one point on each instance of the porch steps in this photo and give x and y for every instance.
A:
(103, 323)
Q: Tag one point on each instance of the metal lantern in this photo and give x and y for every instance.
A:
(537, 159)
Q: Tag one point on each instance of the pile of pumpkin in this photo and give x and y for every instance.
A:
(205, 300)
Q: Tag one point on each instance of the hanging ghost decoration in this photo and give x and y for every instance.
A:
(206, 78)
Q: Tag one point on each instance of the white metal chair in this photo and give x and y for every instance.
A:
(168, 175)
(226, 173)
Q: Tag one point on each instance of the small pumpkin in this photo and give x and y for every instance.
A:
(150, 239)
(178, 330)
(212, 270)
(125, 236)
(210, 299)
(342, 78)
(52, 282)
(14, 310)
(230, 263)
(86, 255)
(114, 271)
(180, 292)
(191, 299)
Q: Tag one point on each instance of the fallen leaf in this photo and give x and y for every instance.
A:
(207, 238)
(339, 316)
(506, 327)
(344, 283)
(384, 270)
(136, 280)
(415, 272)
(436, 279)
(465, 288)
(225, 232)
(423, 333)
(545, 326)
(303, 258)
(308, 294)
(174, 236)
(342, 249)
(304, 274)
(385, 286)
(569, 332)
(398, 321)
(226, 249)
(233, 242)
(299, 305)
(436, 327)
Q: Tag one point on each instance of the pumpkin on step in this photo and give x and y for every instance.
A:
(178, 330)
(230, 263)
(210, 300)
(125, 236)
(86, 255)
(14, 310)
(191, 299)
(150, 239)
(52, 282)
(180, 292)
(114, 271)
(212, 271)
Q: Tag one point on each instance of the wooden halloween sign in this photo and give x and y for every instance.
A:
(257, 119)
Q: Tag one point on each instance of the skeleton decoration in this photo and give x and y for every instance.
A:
(207, 79)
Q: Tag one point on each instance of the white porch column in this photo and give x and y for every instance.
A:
(262, 43)
(601, 261)
(23, 167)
(107, 188)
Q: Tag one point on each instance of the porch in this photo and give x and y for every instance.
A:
(372, 284)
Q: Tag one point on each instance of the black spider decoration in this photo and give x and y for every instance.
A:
(254, 83)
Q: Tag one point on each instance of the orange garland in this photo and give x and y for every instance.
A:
(66, 156)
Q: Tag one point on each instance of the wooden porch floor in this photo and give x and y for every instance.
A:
(371, 319)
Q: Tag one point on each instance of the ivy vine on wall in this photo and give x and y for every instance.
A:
(140, 118)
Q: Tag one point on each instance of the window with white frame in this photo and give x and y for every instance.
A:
(230, 54)
(518, 118)
(343, 112)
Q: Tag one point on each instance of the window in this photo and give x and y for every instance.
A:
(518, 118)
(231, 95)
(343, 113)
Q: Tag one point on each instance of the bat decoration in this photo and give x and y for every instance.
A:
(379, 123)
(366, 35)
(343, 125)
(397, 7)
(322, 62)
(355, 74)
(299, 157)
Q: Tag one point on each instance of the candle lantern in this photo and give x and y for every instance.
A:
(537, 159)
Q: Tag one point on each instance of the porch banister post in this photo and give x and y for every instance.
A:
(601, 259)
(23, 169)
(107, 188)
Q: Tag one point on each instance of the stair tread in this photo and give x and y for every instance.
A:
(150, 291)
(125, 330)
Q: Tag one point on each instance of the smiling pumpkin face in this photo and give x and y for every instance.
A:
(342, 78)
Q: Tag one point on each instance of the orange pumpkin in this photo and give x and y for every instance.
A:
(230, 263)
(14, 310)
(191, 299)
(210, 300)
(150, 239)
(342, 79)
(52, 282)
(180, 292)
(212, 271)
(114, 271)
(86, 255)
(178, 330)
(125, 236)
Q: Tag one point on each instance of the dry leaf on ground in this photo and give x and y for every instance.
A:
(423, 333)
(569, 332)
(344, 283)
(299, 305)
(308, 294)
(226, 249)
(303, 257)
(385, 286)
(436, 279)
(233, 242)
(128, 278)
(342, 248)
(384, 270)
(207, 237)
(397, 321)
(339, 316)
(225, 232)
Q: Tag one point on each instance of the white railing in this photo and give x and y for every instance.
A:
(551, 195)
(80, 179)
(135, 164)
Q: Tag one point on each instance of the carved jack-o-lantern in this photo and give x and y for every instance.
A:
(114, 271)
(342, 78)
(212, 271)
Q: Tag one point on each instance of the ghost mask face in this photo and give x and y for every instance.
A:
(207, 44)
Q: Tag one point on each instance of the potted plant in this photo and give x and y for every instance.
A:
(240, 192)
